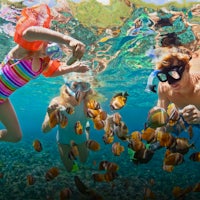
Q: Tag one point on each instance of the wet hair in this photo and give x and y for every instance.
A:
(180, 56)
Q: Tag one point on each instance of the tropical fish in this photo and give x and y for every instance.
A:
(121, 130)
(74, 152)
(117, 118)
(135, 135)
(69, 109)
(78, 128)
(174, 159)
(53, 121)
(173, 114)
(107, 177)
(65, 194)
(64, 122)
(108, 166)
(37, 145)
(92, 113)
(136, 145)
(92, 145)
(166, 139)
(93, 104)
(195, 156)
(157, 117)
(85, 190)
(118, 101)
(30, 180)
(108, 139)
(117, 148)
(102, 115)
(98, 123)
(182, 145)
(149, 134)
(51, 173)
(143, 156)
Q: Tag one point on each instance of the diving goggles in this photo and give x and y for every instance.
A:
(74, 87)
(171, 74)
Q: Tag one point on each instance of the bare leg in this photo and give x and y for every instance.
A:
(83, 152)
(64, 151)
(8, 117)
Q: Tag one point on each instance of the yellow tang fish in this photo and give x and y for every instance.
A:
(118, 101)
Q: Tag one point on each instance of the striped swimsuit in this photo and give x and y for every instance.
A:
(14, 74)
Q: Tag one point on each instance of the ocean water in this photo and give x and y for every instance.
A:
(128, 71)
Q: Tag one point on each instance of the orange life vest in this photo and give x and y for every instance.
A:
(39, 15)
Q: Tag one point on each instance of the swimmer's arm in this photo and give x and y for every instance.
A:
(75, 67)
(163, 101)
(40, 33)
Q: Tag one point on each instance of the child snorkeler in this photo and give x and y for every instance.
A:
(76, 94)
(31, 57)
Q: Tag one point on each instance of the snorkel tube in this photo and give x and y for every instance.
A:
(150, 87)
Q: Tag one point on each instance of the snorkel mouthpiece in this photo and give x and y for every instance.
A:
(54, 51)
(150, 87)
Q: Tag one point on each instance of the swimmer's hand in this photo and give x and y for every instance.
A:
(80, 67)
(191, 114)
(78, 49)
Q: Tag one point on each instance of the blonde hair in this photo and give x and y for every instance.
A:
(91, 94)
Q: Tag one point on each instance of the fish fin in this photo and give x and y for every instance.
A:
(118, 94)
(126, 94)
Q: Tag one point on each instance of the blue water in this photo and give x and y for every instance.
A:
(127, 72)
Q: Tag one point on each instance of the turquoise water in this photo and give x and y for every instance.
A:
(127, 72)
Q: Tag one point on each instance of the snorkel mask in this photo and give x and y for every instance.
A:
(54, 51)
(170, 74)
(74, 88)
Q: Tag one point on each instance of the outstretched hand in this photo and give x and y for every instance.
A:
(80, 67)
(191, 114)
(78, 49)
